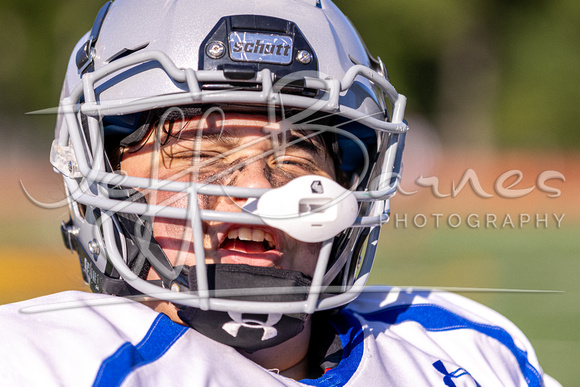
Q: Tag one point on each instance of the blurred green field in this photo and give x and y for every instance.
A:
(532, 259)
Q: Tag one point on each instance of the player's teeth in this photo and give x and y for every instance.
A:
(269, 240)
(249, 234)
(245, 234)
(257, 235)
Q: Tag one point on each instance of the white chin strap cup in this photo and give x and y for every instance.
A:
(310, 208)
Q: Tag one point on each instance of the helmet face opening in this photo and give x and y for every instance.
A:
(255, 139)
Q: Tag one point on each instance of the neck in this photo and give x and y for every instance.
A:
(288, 358)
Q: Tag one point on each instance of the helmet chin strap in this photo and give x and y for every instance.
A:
(247, 331)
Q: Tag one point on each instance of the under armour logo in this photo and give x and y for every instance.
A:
(233, 327)
(451, 379)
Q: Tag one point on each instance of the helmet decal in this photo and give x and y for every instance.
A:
(249, 47)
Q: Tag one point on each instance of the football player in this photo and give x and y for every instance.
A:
(228, 167)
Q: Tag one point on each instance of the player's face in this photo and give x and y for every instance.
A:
(236, 151)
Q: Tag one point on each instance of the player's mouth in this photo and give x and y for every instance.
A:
(249, 245)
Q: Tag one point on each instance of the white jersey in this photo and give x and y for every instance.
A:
(389, 338)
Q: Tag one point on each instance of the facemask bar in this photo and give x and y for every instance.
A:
(202, 298)
(82, 164)
(94, 190)
(267, 95)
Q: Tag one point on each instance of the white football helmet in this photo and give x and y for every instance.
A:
(299, 61)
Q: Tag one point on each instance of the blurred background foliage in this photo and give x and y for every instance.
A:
(482, 72)
(486, 72)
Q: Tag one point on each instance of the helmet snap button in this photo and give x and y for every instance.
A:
(94, 247)
(215, 50)
(304, 57)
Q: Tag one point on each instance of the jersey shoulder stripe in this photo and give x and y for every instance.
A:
(160, 337)
(436, 318)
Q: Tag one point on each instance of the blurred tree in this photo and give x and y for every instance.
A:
(36, 38)
(484, 72)
(540, 74)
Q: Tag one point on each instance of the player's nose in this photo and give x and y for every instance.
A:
(253, 175)
(249, 175)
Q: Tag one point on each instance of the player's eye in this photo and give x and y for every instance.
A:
(294, 164)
